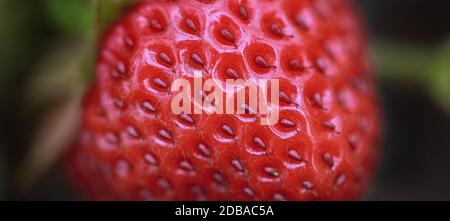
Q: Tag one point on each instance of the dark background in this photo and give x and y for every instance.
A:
(416, 155)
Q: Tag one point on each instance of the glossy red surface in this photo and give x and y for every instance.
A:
(325, 146)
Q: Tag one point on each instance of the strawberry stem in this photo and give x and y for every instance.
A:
(402, 62)
(419, 66)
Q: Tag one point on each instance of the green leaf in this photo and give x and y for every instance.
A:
(59, 77)
(440, 77)
(110, 10)
(73, 16)
(87, 19)
(427, 68)
(403, 63)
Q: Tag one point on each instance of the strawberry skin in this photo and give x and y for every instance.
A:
(325, 146)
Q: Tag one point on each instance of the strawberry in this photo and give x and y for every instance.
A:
(324, 146)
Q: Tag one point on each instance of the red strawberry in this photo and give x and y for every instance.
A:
(324, 147)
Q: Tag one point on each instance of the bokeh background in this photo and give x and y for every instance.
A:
(46, 44)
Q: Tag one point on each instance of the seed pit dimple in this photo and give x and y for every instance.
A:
(243, 12)
(271, 171)
(227, 130)
(284, 97)
(204, 149)
(111, 138)
(133, 132)
(340, 180)
(165, 134)
(259, 142)
(321, 64)
(164, 184)
(296, 65)
(353, 141)
(308, 185)
(150, 159)
(129, 43)
(261, 62)
(287, 123)
(148, 106)
(249, 192)
(317, 100)
(294, 155)
(164, 57)
(160, 83)
(196, 58)
(260, 56)
(122, 168)
(227, 35)
(190, 25)
(329, 126)
(328, 159)
(232, 73)
(119, 103)
(278, 197)
(119, 71)
(156, 25)
(187, 118)
(237, 164)
(301, 22)
(219, 178)
(276, 29)
(186, 165)
(121, 68)
(198, 190)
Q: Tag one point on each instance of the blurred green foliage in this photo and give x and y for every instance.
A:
(18, 22)
(424, 67)
(46, 47)
(72, 17)
(109, 10)
(85, 18)
(440, 77)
